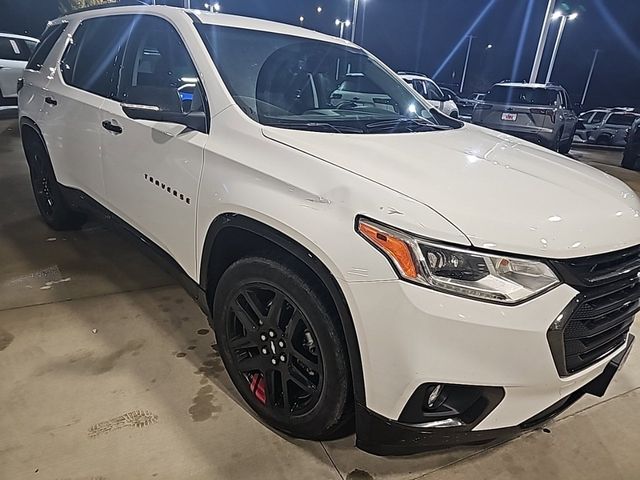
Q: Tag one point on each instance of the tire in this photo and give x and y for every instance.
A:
(48, 194)
(565, 147)
(283, 347)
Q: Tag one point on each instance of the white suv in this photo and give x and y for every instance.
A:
(437, 282)
(431, 92)
(15, 51)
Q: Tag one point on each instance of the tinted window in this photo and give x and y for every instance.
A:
(598, 117)
(433, 91)
(419, 87)
(568, 102)
(621, 119)
(360, 83)
(522, 95)
(42, 50)
(91, 60)
(158, 70)
(14, 49)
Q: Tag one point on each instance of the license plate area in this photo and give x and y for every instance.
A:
(509, 117)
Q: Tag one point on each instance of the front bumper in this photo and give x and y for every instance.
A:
(381, 436)
(410, 336)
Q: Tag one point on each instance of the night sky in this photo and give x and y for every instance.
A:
(422, 35)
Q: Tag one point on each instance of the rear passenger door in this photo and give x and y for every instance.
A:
(72, 106)
(152, 169)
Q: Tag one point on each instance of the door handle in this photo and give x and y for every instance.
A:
(51, 101)
(107, 125)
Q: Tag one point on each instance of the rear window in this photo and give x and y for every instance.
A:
(90, 61)
(360, 83)
(521, 96)
(43, 49)
(14, 49)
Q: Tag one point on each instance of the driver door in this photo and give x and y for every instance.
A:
(152, 168)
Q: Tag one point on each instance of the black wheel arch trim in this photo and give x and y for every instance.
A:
(234, 220)
(28, 122)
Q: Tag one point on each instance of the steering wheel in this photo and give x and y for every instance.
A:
(346, 104)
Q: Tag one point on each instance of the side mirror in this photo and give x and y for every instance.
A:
(193, 120)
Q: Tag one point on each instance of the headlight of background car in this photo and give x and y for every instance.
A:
(459, 271)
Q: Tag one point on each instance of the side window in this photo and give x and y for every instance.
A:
(569, 103)
(43, 49)
(418, 85)
(14, 49)
(433, 92)
(158, 70)
(598, 117)
(92, 60)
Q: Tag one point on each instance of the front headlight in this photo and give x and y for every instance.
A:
(459, 271)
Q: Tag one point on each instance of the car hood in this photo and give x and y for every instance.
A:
(502, 193)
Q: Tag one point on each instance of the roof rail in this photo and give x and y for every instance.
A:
(402, 72)
(110, 4)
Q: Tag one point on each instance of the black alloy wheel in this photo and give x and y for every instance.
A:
(41, 181)
(282, 348)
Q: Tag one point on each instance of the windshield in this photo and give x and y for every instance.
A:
(521, 95)
(299, 83)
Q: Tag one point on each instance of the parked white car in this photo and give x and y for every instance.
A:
(15, 51)
(438, 282)
(431, 92)
(359, 91)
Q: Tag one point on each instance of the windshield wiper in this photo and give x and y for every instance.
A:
(407, 124)
(315, 126)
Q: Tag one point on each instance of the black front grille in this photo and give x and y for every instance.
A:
(597, 270)
(597, 322)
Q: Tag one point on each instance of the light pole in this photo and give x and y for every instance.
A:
(542, 41)
(466, 63)
(563, 22)
(342, 24)
(212, 7)
(593, 66)
(355, 20)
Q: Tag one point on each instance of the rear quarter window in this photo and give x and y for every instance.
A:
(14, 49)
(521, 96)
(621, 119)
(43, 49)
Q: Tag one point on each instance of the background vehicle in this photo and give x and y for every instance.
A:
(356, 90)
(15, 51)
(432, 92)
(465, 105)
(539, 113)
(631, 158)
(478, 97)
(610, 129)
(587, 121)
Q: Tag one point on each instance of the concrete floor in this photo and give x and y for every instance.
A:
(107, 371)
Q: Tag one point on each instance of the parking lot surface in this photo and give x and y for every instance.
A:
(108, 370)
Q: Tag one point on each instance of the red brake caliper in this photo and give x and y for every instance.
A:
(258, 386)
